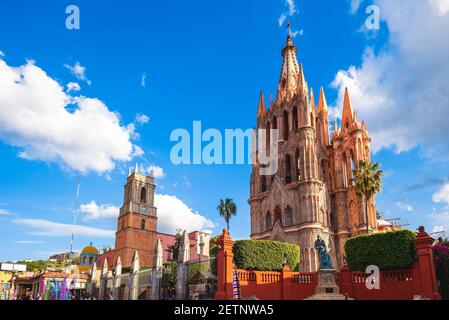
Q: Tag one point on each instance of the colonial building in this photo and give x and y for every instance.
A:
(137, 228)
(312, 192)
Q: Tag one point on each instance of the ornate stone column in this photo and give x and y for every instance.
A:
(117, 279)
(183, 257)
(156, 274)
(135, 276)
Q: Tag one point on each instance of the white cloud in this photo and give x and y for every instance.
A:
(402, 90)
(73, 86)
(291, 10)
(404, 206)
(143, 80)
(78, 71)
(281, 19)
(291, 7)
(187, 182)
(174, 214)
(142, 119)
(93, 211)
(34, 117)
(29, 242)
(440, 221)
(437, 229)
(137, 151)
(440, 7)
(1, 54)
(157, 171)
(355, 4)
(54, 229)
(294, 34)
(4, 212)
(442, 195)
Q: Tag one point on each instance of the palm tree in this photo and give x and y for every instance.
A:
(367, 180)
(227, 208)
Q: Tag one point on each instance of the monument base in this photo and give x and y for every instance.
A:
(327, 288)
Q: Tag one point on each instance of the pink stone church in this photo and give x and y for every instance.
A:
(312, 192)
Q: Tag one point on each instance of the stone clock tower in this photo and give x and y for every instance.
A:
(137, 221)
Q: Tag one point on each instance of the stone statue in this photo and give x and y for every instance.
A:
(323, 254)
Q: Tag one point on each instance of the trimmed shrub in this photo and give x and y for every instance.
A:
(263, 255)
(391, 250)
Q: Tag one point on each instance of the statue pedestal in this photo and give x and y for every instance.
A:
(327, 288)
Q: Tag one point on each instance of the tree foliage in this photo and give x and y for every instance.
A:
(227, 208)
(441, 259)
(391, 250)
(368, 182)
(265, 255)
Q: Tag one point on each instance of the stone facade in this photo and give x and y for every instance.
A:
(312, 192)
(137, 221)
(137, 228)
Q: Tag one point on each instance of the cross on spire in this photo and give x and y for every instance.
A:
(289, 28)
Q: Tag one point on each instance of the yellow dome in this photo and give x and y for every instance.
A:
(89, 249)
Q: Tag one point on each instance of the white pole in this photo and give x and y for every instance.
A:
(75, 216)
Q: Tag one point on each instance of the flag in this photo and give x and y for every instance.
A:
(236, 292)
(42, 287)
(47, 295)
(63, 294)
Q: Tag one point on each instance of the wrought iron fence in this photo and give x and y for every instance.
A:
(201, 279)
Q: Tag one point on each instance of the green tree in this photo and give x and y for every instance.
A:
(35, 266)
(227, 208)
(368, 182)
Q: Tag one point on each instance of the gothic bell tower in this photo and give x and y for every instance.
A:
(137, 221)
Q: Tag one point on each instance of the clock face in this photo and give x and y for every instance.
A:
(144, 209)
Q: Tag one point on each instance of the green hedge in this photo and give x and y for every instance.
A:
(265, 255)
(391, 250)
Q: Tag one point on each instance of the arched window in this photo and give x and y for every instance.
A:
(268, 220)
(274, 124)
(143, 195)
(288, 169)
(288, 216)
(295, 118)
(142, 224)
(277, 214)
(297, 168)
(285, 126)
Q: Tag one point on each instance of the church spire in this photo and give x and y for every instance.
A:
(312, 98)
(291, 74)
(262, 109)
(322, 104)
(348, 113)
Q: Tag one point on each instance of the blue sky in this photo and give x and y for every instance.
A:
(206, 61)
